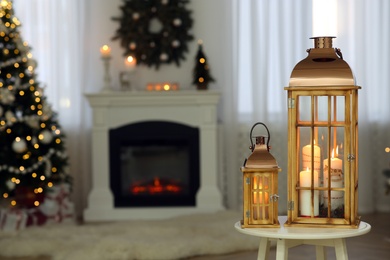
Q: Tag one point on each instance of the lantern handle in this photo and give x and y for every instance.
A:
(252, 147)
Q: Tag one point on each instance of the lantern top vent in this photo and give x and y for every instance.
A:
(323, 67)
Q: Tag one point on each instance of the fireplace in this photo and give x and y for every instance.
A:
(154, 163)
(153, 155)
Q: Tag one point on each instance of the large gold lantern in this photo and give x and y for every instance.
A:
(260, 185)
(322, 140)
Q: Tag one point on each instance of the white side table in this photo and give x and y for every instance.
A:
(288, 237)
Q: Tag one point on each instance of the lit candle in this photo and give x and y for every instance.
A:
(105, 51)
(307, 159)
(336, 180)
(130, 62)
(305, 195)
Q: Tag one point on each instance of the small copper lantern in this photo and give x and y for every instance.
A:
(322, 140)
(260, 185)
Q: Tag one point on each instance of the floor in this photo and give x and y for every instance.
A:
(372, 246)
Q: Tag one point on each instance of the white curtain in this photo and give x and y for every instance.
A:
(54, 30)
(270, 37)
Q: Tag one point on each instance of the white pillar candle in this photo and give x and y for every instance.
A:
(307, 159)
(336, 181)
(305, 195)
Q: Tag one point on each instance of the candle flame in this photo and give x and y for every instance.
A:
(130, 58)
(337, 152)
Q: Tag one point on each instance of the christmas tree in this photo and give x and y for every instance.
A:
(32, 151)
(202, 75)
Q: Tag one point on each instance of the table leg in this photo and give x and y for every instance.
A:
(281, 250)
(320, 253)
(263, 249)
(341, 249)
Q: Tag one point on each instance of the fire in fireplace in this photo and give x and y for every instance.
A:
(154, 164)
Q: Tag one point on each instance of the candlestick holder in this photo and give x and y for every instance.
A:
(107, 76)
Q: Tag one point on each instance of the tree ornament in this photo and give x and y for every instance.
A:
(32, 121)
(151, 22)
(136, 16)
(11, 185)
(9, 115)
(163, 56)
(19, 145)
(202, 75)
(46, 137)
(177, 22)
(175, 43)
(7, 96)
(132, 46)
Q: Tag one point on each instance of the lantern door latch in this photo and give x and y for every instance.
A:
(274, 197)
(290, 205)
(351, 157)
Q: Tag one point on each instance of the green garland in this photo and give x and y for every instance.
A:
(155, 32)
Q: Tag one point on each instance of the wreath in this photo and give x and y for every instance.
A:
(155, 32)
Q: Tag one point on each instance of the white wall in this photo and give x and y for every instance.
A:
(209, 25)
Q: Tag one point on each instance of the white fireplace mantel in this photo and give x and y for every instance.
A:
(115, 109)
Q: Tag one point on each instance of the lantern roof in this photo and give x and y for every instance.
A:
(324, 66)
(261, 158)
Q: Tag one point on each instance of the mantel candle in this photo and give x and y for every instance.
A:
(130, 62)
(105, 51)
(305, 195)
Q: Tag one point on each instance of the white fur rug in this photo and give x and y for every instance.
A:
(176, 238)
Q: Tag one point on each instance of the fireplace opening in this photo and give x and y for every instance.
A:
(154, 164)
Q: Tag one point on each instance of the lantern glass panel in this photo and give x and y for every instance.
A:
(304, 104)
(260, 194)
(320, 142)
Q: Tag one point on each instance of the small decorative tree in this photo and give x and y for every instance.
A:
(202, 76)
(32, 151)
